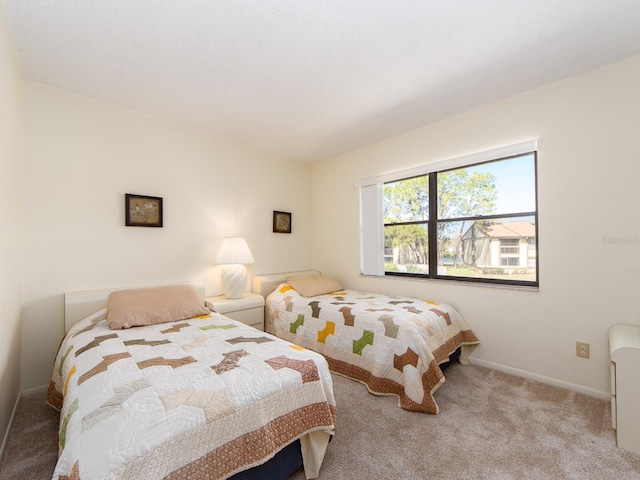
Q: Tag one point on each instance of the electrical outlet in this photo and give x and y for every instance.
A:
(582, 349)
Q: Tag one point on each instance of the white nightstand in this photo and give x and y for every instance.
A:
(624, 349)
(249, 309)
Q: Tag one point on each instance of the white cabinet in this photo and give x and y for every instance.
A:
(624, 351)
(248, 309)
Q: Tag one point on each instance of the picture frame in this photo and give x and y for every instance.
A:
(142, 210)
(281, 222)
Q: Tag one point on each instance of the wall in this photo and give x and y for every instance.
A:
(589, 234)
(82, 156)
(11, 131)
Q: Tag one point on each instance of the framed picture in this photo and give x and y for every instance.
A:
(281, 222)
(142, 210)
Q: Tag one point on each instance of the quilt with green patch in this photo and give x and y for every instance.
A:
(393, 345)
(200, 398)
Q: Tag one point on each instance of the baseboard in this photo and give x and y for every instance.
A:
(591, 392)
(10, 424)
(35, 390)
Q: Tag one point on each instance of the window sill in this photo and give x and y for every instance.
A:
(459, 283)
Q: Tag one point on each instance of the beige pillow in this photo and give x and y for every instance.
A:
(312, 285)
(148, 306)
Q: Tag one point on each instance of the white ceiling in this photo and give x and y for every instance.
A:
(310, 79)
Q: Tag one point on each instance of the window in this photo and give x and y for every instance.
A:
(509, 245)
(509, 261)
(471, 219)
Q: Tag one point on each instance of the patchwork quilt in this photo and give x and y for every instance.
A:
(393, 345)
(201, 398)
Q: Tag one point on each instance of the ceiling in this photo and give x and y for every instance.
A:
(308, 80)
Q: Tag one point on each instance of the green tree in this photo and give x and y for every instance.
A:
(406, 201)
(460, 194)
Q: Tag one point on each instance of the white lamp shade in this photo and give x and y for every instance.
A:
(234, 251)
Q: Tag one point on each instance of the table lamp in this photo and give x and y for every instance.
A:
(234, 254)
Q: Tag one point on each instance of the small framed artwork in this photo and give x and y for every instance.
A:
(142, 210)
(281, 222)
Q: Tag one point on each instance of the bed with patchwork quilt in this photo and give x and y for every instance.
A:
(394, 345)
(205, 397)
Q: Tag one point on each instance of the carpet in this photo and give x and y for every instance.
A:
(491, 425)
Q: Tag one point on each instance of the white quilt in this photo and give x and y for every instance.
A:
(201, 398)
(394, 345)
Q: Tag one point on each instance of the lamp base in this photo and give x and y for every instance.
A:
(234, 279)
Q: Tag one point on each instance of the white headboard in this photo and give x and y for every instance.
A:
(78, 305)
(265, 284)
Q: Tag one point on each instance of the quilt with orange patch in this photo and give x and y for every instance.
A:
(393, 345)
(200, 398)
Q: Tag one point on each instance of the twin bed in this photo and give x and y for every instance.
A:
(189, 393)
(394, 345)
(202, 397)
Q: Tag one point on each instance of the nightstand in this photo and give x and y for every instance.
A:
(248, 309)
(624, 349)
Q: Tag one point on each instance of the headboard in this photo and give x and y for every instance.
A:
(265, 284)
(78, 305)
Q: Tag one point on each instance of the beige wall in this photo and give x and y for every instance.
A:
(11, 129)
(82, 156)
(589, 233)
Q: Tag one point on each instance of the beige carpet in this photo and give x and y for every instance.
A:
(491, 426)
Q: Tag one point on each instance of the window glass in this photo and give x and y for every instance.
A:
(487, 246)
(407, 200)
(496, 188)
(406, 248)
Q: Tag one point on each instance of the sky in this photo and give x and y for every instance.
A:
(515, 183)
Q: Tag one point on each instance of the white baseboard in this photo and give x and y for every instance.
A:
(35, 390)
(591, 392)
(9, 425)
